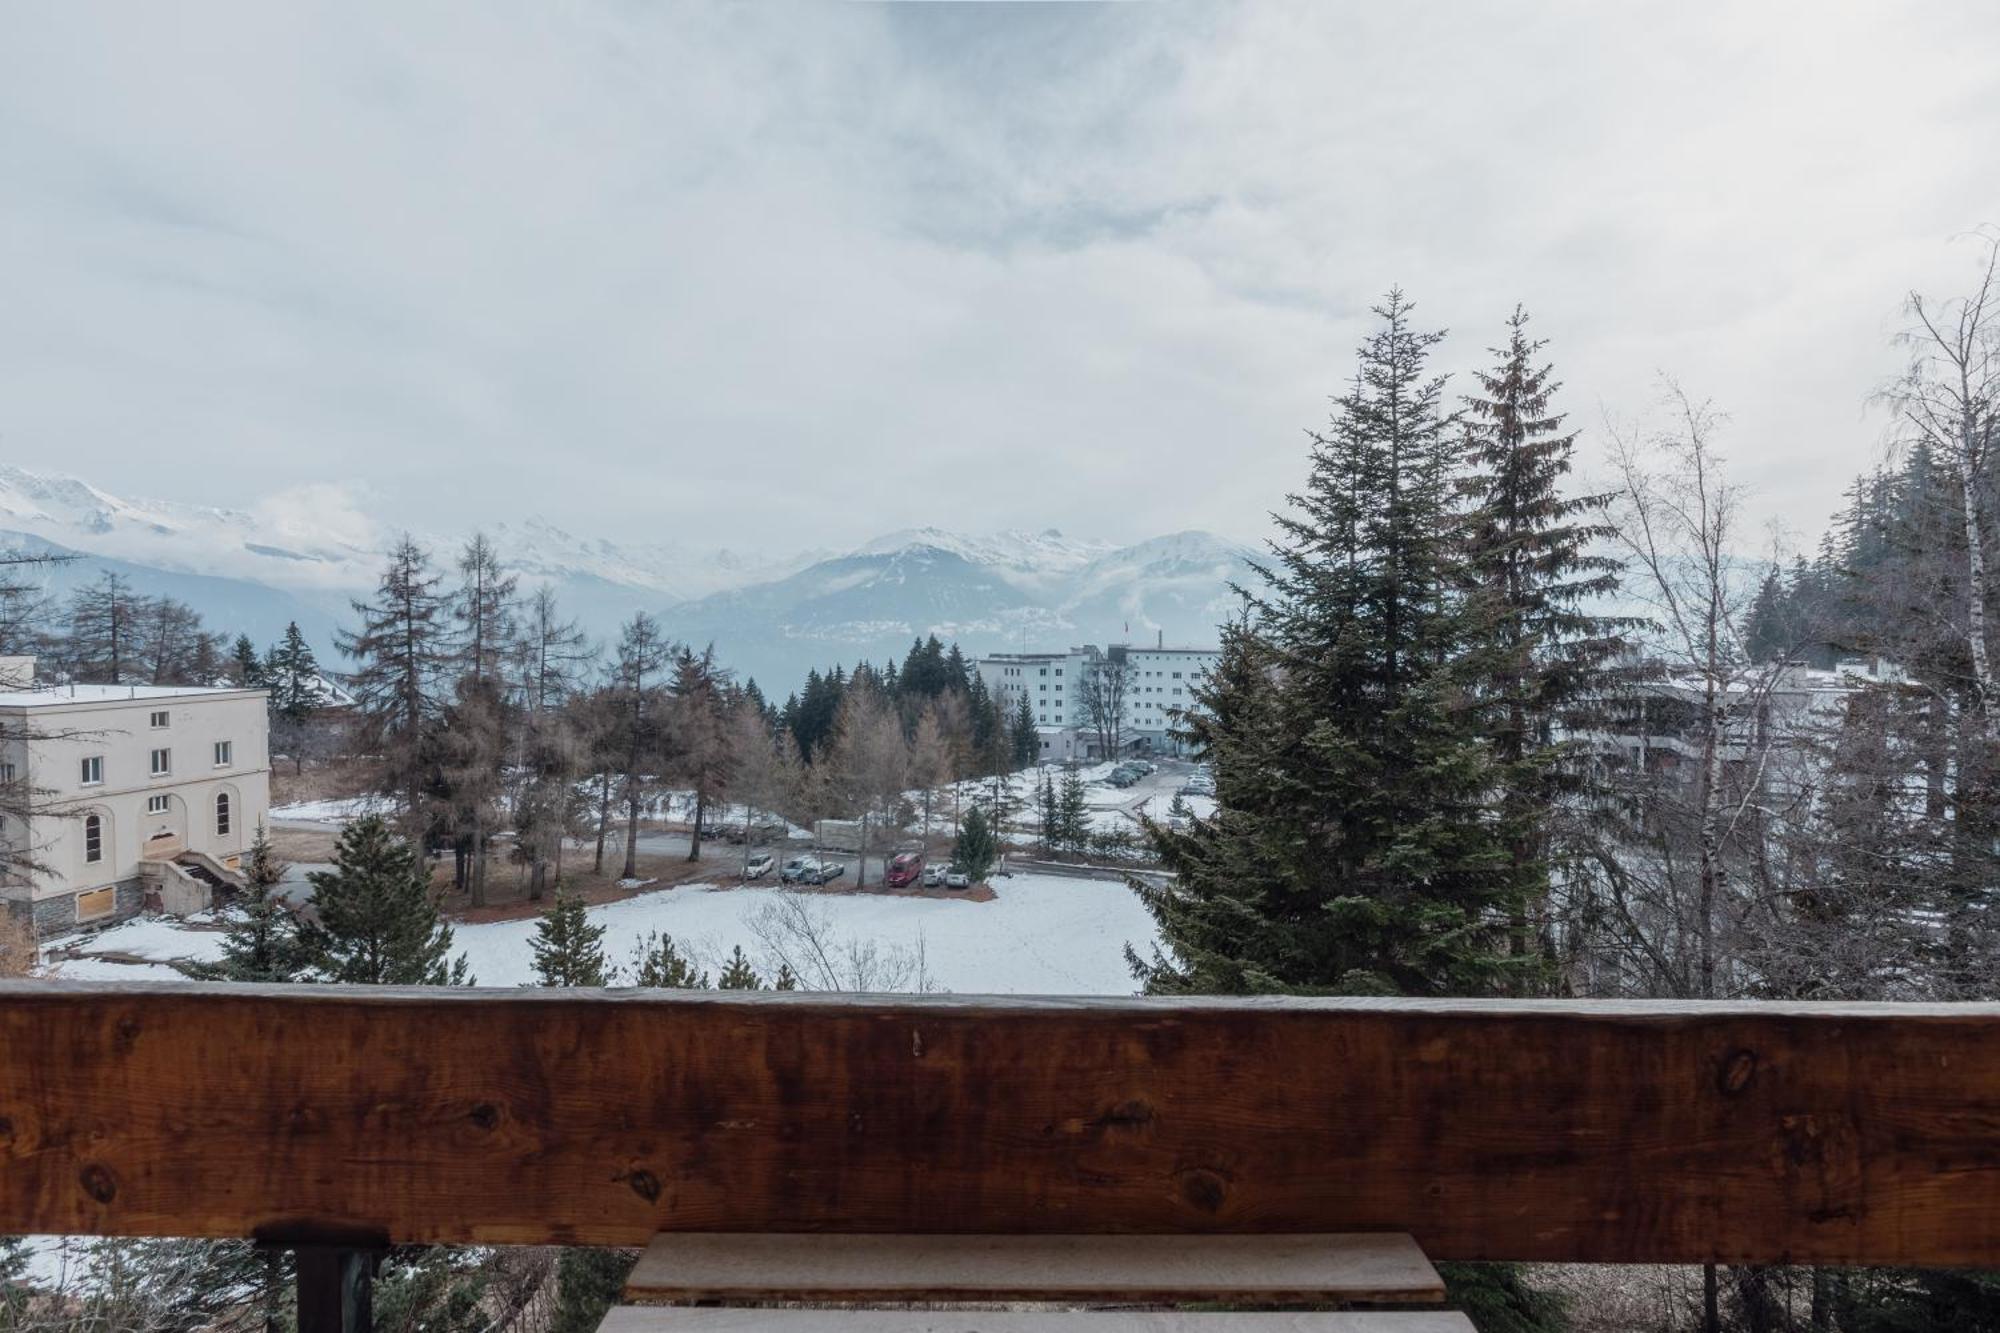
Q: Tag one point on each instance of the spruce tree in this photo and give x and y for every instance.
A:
(1539, 651)
(245, 667)
(378, 919)
(1073, 811)
(1048, 811)
(975, 849)
(1027, 741)
(737, 974)
(787, 979)
(659, 964)
(1352, 851)
(263, 940)
(569, 950)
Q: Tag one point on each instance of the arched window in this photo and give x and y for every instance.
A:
(93, 839)
(222, 812)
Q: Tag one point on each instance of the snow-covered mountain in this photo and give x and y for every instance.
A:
(988, 594)
(302, 555)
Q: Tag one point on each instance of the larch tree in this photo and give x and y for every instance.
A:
(636, 725)
(700, 729)
(401, 681)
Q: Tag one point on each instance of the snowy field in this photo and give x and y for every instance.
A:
(1041, 935)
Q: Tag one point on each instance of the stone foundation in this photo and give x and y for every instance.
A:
(54, 915)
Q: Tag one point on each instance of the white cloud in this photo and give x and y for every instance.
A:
(709, 274)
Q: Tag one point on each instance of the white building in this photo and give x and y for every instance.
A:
(144, 796)
(1159, 684)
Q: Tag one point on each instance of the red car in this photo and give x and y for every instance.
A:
(904, 868)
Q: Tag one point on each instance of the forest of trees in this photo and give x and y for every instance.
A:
(1477, 730)
(1480, 734)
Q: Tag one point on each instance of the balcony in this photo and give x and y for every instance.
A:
(346, 1119)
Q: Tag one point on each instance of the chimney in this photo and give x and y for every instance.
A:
(1162, 642)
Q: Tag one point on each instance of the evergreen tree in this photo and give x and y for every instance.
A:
(659, 964)
(399, 682)
(1539, 654)
(378, 919)
(738, 974)
(569, 950)
(263, 939)
(787, 979)
(291, 674)
(1048, 814)
(1072, 811)
(246, 669)
(1027, 741)
(588, 1283)
(1352, 851)
(976, 849)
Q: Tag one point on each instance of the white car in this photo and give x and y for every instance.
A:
(759, 865)
(955, 878)
(933, 876)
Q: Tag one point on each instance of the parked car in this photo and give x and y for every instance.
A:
(904, 868)
(759, 865)
(933, 876)
(955, 878)
(810, 870)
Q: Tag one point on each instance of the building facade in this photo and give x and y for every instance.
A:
(1158, 685)
(129, 796)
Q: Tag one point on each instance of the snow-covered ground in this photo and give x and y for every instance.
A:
(1039, 935)
(340, 810)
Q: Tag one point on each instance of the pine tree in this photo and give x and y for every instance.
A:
(245, 667)
(1539, 653)
(1072, 811)
(1048, 813)
(975, 850)
(568, 949)
(378, 919)
(399, 683)
(787, 979)
(1352, 850)
(263, 940)
(738, 974)
(1027, 741)
(659, 964)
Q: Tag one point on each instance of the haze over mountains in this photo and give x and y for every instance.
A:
(771, 615)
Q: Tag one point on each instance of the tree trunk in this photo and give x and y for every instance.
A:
(694, 840)
(603, 819)
(631, 836)
(1968, 456)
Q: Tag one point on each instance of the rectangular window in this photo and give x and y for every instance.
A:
(157, 805)
(163, 762)
(159, 720)
(6, 772)
(93, 770)
(225, 753)
(93, 839)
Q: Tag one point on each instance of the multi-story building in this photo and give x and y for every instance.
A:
(1158, 683)
(141, 795)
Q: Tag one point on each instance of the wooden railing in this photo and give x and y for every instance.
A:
(1594, 1132)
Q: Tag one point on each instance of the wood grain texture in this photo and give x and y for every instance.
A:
(655, 1319)
(1536, 1131)
(1362, 1269)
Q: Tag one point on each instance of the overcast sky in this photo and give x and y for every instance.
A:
(696, 274)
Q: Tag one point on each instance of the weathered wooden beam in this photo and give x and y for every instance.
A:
(1538, 1130)
(1355, 1268)
(654, 1319)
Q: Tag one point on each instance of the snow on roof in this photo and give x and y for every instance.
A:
(62, 696)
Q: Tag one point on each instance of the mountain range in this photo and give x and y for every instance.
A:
(770, 616)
